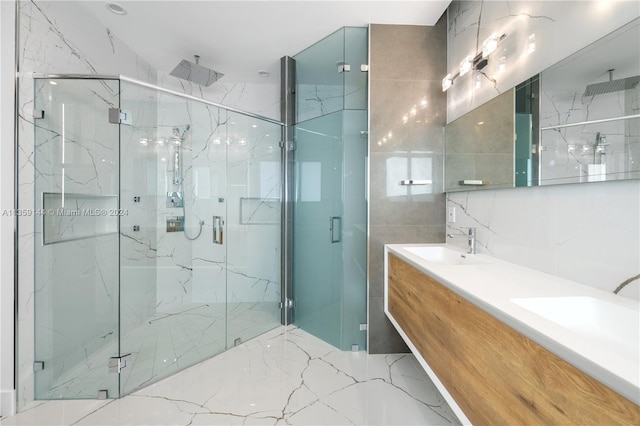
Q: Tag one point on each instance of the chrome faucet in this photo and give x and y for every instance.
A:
(471, 237)
(472, 240)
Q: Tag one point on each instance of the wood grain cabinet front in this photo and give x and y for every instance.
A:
(496, 375)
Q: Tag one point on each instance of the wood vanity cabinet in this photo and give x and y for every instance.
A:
(495, 374)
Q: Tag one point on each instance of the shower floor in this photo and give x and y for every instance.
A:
(165, 344)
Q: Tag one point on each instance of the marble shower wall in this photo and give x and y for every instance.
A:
(406, 139)
(589, 233)
(231, 169)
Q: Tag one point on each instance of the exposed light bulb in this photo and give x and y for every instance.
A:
(490, 45)
(447, 82)
(502, 64)
(532, 43)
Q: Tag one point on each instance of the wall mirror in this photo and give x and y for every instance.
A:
(577, 121)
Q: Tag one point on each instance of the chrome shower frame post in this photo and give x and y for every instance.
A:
(287, 116)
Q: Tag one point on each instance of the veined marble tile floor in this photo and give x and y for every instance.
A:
(165, 344)
(285, 376)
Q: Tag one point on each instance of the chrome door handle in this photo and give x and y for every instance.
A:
(335, 229)
(218, 226)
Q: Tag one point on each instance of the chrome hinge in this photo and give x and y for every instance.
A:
(364, 134)
(288, 303)
(344, 68)
(291, 145)
(38, 365)
(118, 363)
(364, 67)
(38, 113)
(118, 116)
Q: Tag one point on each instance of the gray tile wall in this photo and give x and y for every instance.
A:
(408, 114)
(482, 151)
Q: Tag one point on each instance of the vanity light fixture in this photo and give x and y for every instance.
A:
(466, 65)
(478, 62)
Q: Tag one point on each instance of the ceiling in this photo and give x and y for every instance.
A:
(240, 38)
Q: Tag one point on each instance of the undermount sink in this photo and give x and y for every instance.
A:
(613, 325)
(445, 256)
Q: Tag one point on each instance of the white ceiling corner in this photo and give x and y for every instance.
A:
(241, 37)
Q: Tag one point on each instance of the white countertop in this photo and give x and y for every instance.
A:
(491, 286)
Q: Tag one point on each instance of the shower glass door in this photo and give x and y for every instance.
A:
(76, 238)
(200, 244)
(317, 227)
(253, 227)
(329, 201)
(173, 238)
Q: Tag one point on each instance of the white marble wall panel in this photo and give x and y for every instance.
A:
(316, 100)
(54, 37)
(559, 29)
(587, 233)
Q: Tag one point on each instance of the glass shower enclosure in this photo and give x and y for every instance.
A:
(157, 229)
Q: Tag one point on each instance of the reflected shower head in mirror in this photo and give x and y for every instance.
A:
(612, 85)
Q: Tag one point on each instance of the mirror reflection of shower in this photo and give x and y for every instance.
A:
(177, 198)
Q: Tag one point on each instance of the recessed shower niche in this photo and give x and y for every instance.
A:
(121, 300)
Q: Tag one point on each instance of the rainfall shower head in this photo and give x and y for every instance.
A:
(192, 71)
(611, 85)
